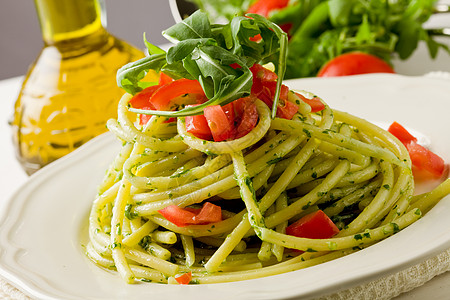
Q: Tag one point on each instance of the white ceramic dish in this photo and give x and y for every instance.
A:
(43, 228)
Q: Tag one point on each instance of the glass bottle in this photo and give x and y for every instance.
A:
(70, 90)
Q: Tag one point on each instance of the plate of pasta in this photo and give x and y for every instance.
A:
(44, 237)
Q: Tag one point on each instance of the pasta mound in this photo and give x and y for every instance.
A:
(357, 173)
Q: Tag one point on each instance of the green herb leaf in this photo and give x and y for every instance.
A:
(129, 76)
(206, 52)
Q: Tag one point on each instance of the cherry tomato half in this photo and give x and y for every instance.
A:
(316, 225)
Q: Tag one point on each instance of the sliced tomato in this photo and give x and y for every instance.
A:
(285, 109)
(229, 111)
(271, 86)
(354, 63)
(315, 103)
(198, 126)
(142, 99)
(177, 215)
(264, 7)
(264, 87)
(164, 78)
(426, 164)
(183, 278)
(425, 160)
(401, 133)
(143, 118)
(316, 225)
(263, 74)
(181, 217)
(246, 116)
(194, 210)
(210, 213)
(162, 96)
(219, 124)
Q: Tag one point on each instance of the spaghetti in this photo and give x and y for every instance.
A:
(240, 193)
(282, 170)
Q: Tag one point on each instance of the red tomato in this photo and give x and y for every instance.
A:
(354, 63)
(263, 74)
(218, 122)
(426, 160)
(401, 133)
(285, 109)
(264, 86)
(164, 78)
(425, 163)
(264, 7)
(241, 114)
(177, 215)
(315, 103)
(184, 278)
(143, 118)
(162, 96)
(247, 116)
(181, 217)
(142, 99)
(198, 126)
(229, 112)
(209, 213)
(316, 225)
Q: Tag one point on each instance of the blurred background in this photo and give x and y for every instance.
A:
(21, 38)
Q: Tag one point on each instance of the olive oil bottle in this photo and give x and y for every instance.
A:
(70, 90)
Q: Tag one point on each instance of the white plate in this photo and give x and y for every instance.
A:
(44, 226)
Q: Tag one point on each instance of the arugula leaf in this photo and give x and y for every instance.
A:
(129, 76)
(152, 49)
(206, 52)
(197, 26)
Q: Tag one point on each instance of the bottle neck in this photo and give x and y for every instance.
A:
(69, 19)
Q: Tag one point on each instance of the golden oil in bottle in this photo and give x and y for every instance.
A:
(70, 91)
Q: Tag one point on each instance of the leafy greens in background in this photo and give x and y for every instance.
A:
(324, 29)
(206, 52)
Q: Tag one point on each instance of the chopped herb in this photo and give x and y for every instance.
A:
(395, 227)
(358, 237)
(306, 131)
(116, 245)
(332, 245)
(129, 214)
(274, 161)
